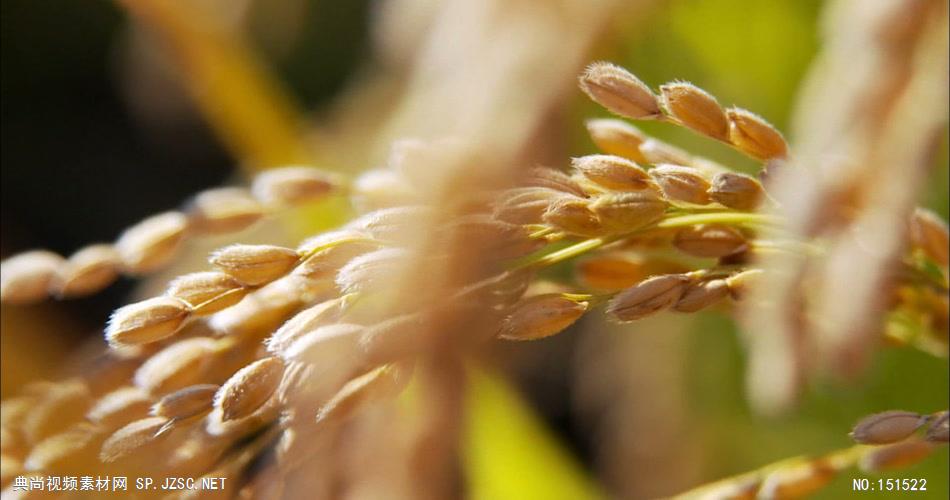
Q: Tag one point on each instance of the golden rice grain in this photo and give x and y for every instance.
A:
(131, 438)
(192, 401)
(617, 137)
(625, 212)
(207, 292)
(254, 265)
(613, 172)
(695, 108)
(887, 427)
(87, 271)
(249, 388)
(147, 321)
(737, 191)
(709, 240)
(573, 216)
(151, 243)
(648, 297)
(26, 277)
(224, 210)
(289, 186)
(682, 183)
(552, 179)
(177, 366)
(701, 295)
(541, 316)
(238, 428)
(525, 205)
(755, 136)
(619, 91)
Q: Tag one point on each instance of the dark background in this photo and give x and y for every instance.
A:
(78, 162)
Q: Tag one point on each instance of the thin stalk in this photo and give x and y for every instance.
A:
(582, 247)
(737, 218)
(837, 461)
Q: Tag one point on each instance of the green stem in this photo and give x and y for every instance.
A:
(738, 218)
(567, 253)
(582, 247)
(789, 246)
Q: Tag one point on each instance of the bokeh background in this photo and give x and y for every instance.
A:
(98, 132)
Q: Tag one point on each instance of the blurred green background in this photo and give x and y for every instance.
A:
(70, 134)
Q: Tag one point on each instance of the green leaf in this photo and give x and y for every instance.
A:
(509, 454)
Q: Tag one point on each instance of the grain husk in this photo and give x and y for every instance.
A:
(613, 172)
(249, 388)
(177, 366)
(617, 137)
(254, 265)
(737, 191)
(87, 271)
(755, 136)
(207, 292)
(152, 243)
(709, 240)
(619, 91)
(682, 183)
(147, 321)
(541, 316)
(224, 210)
(191, 401)
(290, 186)
(625, 212)
(26, 277)
(887, 427)
(131, 438)
(648, 297)
(695, 108)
